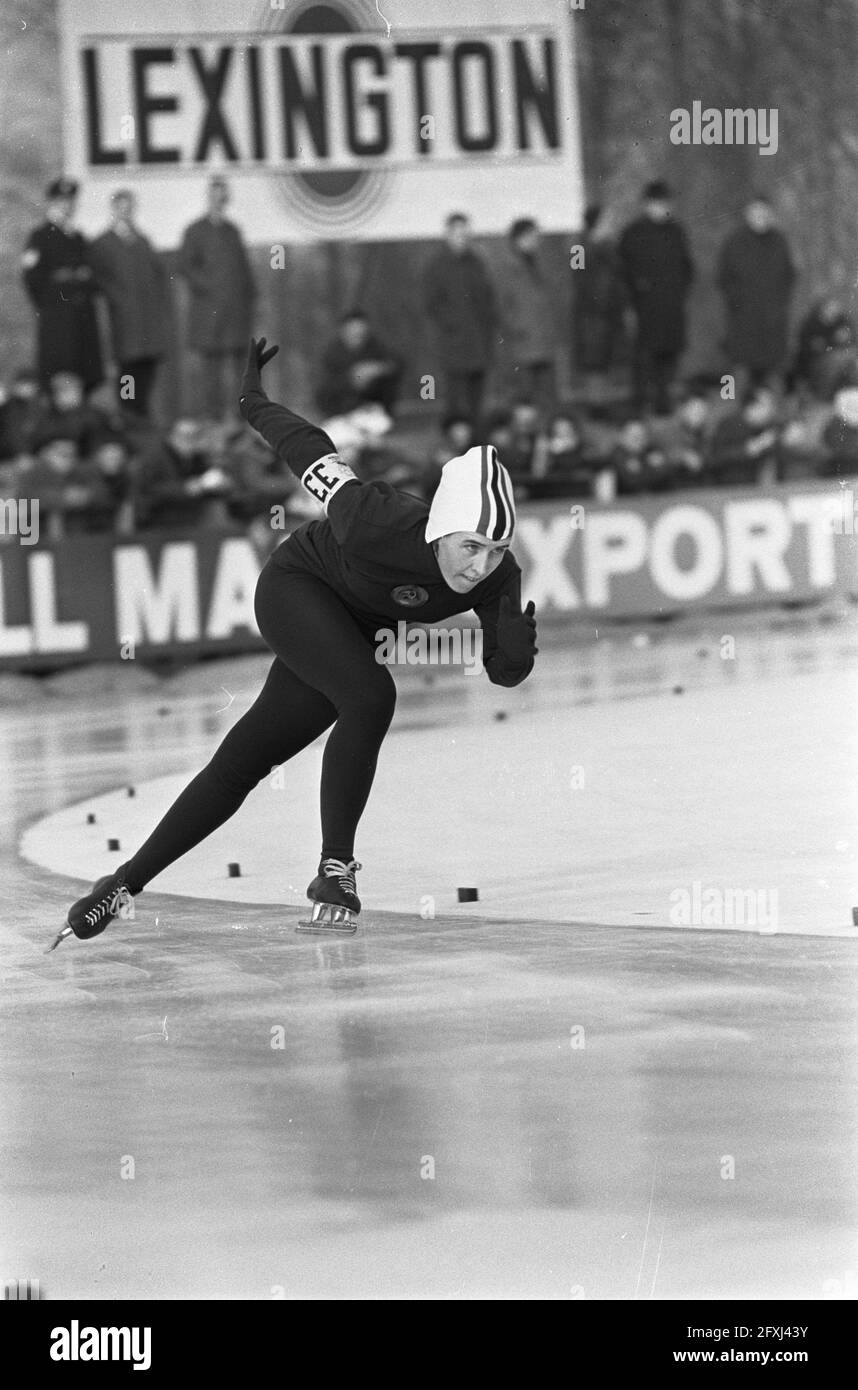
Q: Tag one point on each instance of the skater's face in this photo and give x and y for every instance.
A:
(466, 558)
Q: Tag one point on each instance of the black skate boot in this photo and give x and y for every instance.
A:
(334, 897)
(110, 897)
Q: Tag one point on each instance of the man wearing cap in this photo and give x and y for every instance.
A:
(59, 279)
(656, 266)
(378, 555)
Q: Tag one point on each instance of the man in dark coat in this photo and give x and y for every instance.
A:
(657, 269)
(134, 281)
(357, 369)
(214, 261)
(529, 311)
(59, 280)
(459, 300)
(756, 277)
(599, 299)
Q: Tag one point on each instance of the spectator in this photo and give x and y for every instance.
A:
(59, 280)
(801, 449)
(657, 270)
(457, 437)
(598, 300)
(827, 353)
(19, 415)
(498, 432)
(111, 467)
(524, 428)
(68, 492)
(562, 465)
(686, 438)
(840, 438)
(528, 302)
(756, 276)
(357, 369)
(744, 445)
(134, 282)
(460, 302)
(214, 261)
(66, 415)
(639, 462)
(178, 484)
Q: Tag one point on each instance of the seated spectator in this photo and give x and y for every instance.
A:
(69, 493)
(357, 369)
(639, 462)
(111, 464)
(498, 432)
(177, 484)
(66, 415)
(801, 450)
(686, 436)
(827, 353)
(524, 426)
(457, 436)
(744, 445)
(840, 438)
(562, 464)
(19, 415)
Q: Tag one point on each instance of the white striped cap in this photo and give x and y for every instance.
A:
(474, 494)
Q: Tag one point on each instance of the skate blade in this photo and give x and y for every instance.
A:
(329, 920)
(60, 936)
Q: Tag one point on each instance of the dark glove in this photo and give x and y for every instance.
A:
(516, 632)
(257, 356)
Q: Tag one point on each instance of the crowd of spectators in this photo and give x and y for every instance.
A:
(77, 431)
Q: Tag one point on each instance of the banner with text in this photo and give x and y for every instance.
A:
(332, 120)
(167, 594)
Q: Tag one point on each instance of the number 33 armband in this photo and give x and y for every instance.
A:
(325, 477)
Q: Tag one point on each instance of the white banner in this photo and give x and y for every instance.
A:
(340, 120)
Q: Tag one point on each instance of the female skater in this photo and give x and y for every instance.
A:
(378, 555)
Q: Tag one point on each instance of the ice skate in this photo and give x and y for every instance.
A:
(333, 894)
(110, 897)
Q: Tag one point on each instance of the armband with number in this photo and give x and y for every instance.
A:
(325, 477)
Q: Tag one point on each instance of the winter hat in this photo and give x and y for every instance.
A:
(474, 494)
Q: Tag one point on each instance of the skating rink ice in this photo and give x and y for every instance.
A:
(565, 1090)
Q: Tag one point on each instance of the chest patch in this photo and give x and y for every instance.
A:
(409, 595)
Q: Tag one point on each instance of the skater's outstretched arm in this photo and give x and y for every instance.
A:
(305, 449)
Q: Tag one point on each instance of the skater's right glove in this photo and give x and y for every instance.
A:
(516, 632)
(257, 356)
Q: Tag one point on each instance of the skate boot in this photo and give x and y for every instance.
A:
(334, 897)
(109, 898)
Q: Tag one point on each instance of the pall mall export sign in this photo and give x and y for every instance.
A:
(167, 594)
(334, 120)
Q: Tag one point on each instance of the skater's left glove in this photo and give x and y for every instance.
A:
(257, 356)
(516, 632)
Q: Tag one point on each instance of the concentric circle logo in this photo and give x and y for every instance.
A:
(337, 201)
